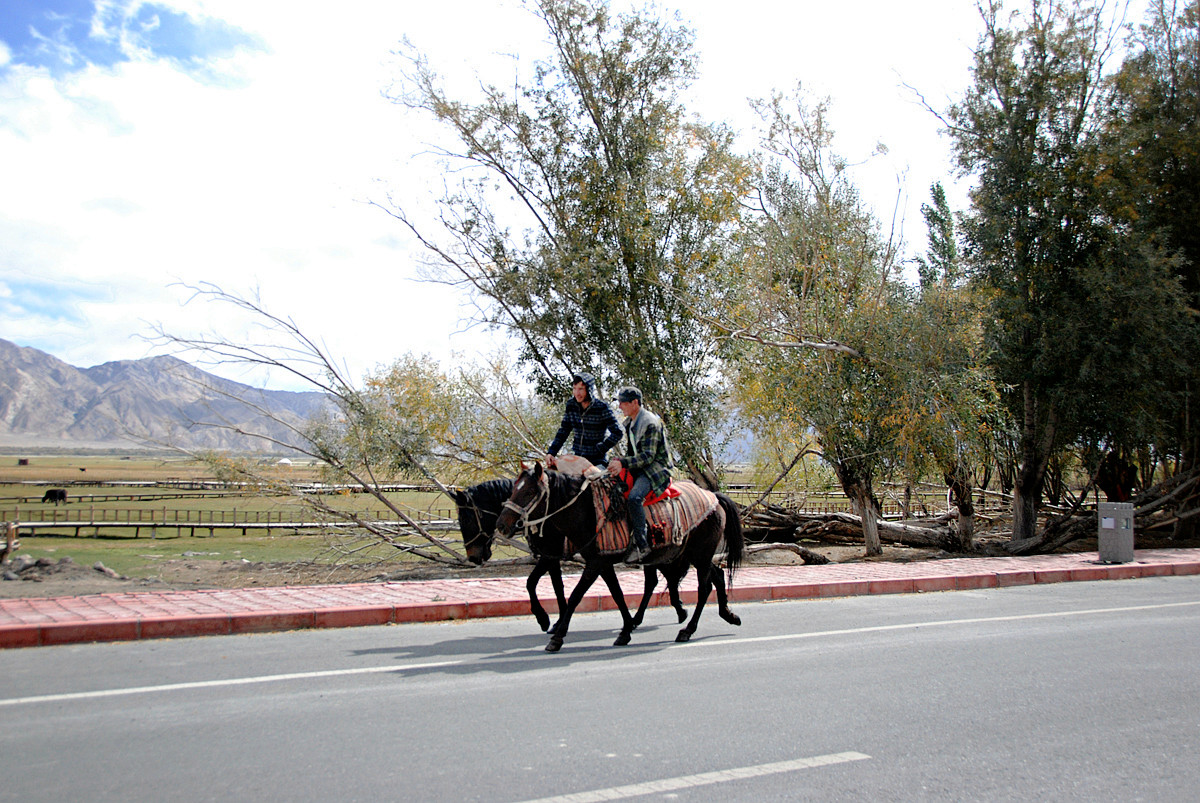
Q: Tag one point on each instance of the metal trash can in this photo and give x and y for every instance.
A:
(1116, 532)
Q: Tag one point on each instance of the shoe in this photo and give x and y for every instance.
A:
(637, 554)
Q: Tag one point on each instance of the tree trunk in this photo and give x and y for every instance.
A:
(857, 487)
(1037, 439)
(703, 475)
(774, 523)
(960, 495)
(810, 558)
(867, 509)
(1025, 505)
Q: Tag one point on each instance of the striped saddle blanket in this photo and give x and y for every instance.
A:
(668, 521)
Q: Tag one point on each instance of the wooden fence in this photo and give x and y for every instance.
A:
(82, 516)
(191, 521)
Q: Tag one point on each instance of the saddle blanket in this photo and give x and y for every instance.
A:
(667, 521)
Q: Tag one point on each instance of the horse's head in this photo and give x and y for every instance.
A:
(528, 500)
(476, 520)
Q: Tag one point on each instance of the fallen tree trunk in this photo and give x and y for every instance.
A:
(810, 558)
(776, 523)
(1164, 505)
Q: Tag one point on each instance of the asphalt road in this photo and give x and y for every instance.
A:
(1073, 691)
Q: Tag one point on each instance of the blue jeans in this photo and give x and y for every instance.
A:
(637, 513)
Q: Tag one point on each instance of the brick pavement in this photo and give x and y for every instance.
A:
(33, 622)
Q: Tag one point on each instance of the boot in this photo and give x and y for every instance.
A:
(637, 554)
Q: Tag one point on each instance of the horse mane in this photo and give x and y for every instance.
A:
(565, 484)
(491, 494)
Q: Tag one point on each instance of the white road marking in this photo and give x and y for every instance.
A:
(936, 623)
(208, 684)
(203, 684)
(702, 779)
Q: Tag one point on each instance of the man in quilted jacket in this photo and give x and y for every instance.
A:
(592, 420)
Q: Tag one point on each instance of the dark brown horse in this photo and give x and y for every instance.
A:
(555, 507)
(478, 507)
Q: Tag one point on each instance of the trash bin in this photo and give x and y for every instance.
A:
(1116, 532)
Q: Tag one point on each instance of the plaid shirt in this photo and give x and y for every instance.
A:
(646, 450)
(596, 430)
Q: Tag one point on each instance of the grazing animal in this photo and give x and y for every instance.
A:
(55, 495)
(562, 508)
(480, 505)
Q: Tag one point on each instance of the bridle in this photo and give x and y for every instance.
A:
(543, 495)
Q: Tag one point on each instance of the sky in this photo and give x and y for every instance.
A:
(148, 147)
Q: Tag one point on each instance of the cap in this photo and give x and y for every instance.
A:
(629, 394)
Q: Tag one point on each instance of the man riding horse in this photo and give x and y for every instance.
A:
(592, 420)
(647, 461)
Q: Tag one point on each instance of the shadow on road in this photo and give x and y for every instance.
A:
(524, 652)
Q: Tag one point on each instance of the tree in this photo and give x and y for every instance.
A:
(940, 265)
(956, 427)
(1041, 241)
(625, 203)
(413, 420)
(476, 423)
(1152, 146)
(812, 334)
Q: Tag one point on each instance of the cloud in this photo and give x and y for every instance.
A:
(135, 176)
(46, 304)
(144, 145)
(62, 36)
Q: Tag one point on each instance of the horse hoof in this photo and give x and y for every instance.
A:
(732, 618)
(555, 645)
(683, 636)
(550, 630)
(622, 640)
(682, 615)
(544, 623)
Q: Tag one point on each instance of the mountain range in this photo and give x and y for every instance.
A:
(152, 403)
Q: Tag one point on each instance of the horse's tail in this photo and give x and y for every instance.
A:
(735, 542)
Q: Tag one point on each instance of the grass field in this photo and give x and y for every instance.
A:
(131, 490)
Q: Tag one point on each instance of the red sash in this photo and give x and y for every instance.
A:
(627, 481)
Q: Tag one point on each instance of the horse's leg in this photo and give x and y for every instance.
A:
(674, 578)
(590, 572)
(647, 592)
(704, 586)
(702, 559)
(559, 596)
(535, 605)
(718, 581)
(614, 587)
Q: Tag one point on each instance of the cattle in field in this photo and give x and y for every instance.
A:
(55, 495)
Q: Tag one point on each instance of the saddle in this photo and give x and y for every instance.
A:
(670, 516)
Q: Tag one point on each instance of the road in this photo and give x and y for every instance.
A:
(1073, 691)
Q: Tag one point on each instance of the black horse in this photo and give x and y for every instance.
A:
(478, 507)
(557, 507)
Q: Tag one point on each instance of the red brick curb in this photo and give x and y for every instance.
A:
(31, 622)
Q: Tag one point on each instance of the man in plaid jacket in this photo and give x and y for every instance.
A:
(647, 459)
(592, 420)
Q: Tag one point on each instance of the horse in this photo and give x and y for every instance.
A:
(55, 495)
(545, 502)
(479, 505)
